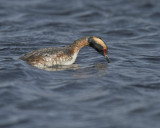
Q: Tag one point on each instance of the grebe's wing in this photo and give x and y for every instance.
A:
(42, 52)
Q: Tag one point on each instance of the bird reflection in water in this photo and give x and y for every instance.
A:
(61, 67)
(96, 66)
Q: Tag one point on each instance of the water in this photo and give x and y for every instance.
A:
(90, 93)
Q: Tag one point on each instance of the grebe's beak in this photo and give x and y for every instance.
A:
(107, 58)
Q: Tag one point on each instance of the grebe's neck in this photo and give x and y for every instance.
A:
(78, 44)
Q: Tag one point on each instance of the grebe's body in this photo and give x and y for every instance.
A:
(48, 57)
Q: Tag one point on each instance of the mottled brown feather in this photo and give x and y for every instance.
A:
(46, 57)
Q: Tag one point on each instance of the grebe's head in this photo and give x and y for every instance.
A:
(99, 46)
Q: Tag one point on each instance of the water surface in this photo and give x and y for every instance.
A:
(90, 93)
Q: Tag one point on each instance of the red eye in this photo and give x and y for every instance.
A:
(105, 51)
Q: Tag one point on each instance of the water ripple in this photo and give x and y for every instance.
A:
(91, 92)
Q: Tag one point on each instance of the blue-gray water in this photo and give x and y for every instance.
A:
(92, 93)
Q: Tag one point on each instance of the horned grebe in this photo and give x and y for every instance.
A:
(48, 57)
